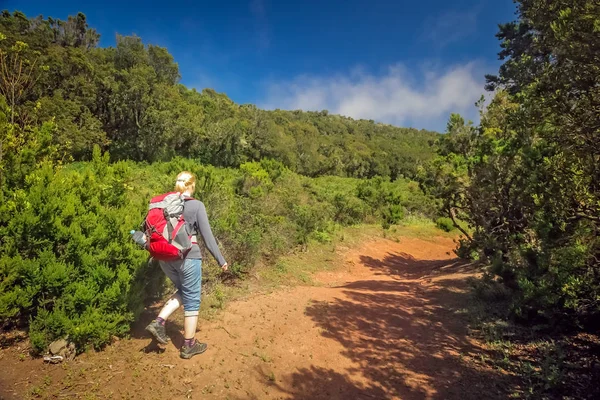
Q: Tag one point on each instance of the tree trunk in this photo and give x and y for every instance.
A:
(12, 107)
(1, 170)
(452, 215)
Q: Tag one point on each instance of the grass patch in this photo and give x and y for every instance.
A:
(298, 268)
(216, 296)
(421, 228)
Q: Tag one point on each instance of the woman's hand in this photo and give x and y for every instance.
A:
(224, 267)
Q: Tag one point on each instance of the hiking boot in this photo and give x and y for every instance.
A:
(158, 331)
(190, 351)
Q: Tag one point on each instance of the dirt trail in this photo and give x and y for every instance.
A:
(386, 325)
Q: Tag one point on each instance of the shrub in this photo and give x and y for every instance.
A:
(445, 224)
(349, 210)
(392, 214)
(308, 220)
(255, 181)
(66, 262)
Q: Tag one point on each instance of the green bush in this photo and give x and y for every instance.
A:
(66, 261)
(255, 181)
(445, 224)
(391, 215)
(308, 220)
(349, 210)
(322, 237)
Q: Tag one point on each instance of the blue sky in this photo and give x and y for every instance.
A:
(408, 63)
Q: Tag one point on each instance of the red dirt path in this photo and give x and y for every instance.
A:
(388, 325)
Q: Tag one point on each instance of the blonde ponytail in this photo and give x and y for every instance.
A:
(186, 182)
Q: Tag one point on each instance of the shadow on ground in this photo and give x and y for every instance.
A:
(405, 266)
(408, 338)
(173, 325)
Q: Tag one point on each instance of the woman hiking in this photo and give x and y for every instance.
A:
(186, 274)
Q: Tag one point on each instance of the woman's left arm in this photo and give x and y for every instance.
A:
(207, 236)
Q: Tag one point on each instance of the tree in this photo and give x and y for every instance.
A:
(528, 177)
(448, 177)
(73, 32)
(18, 73)
(127, 100)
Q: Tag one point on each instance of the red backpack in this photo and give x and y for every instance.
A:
(166, 230)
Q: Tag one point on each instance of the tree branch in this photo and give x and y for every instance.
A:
(451, 212)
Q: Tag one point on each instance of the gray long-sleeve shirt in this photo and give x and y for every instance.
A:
(194, 213)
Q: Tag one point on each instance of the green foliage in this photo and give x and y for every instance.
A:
(387, 198)
(527, 179)
(308, 219)
(127, 100)
(65, 259)
(445, 224)
(255, 181)
(349, 210)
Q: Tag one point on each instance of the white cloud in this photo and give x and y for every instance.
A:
(451, 26)
(422, 97)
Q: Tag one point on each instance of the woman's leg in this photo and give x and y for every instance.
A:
(191, 280)
(191, 286)
(190, 323)
(171, 270)
(157, 327)
(170, 306)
